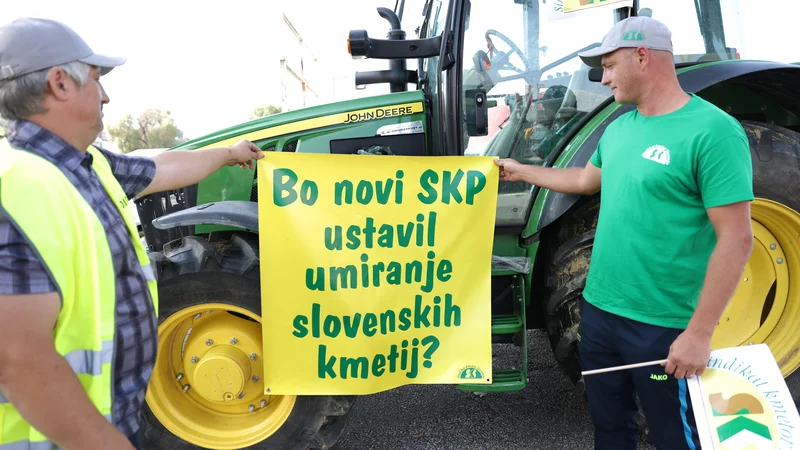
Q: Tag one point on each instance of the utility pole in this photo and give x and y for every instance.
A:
(296, 71)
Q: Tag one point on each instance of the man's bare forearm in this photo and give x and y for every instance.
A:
(49, 396)
(568, 181)
(178, 168)
(725, 268)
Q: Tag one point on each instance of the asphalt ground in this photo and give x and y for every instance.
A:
(547, 414)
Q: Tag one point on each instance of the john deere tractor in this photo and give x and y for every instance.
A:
(497, 78)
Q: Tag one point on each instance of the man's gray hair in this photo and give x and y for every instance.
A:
(22, 97)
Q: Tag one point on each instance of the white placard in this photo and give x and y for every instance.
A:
(742, 402)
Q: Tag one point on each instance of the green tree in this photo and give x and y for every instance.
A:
(264, 111)
(154, 128)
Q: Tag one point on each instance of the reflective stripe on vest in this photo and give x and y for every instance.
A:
(77, 255)
(35, 445)
(27, 445)
(86, 362)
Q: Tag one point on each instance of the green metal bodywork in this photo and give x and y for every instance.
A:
(232, 183)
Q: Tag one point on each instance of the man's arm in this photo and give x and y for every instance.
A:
(689, 353)
(574, 180)
(40, 383)
(178, 168)
(725, 267)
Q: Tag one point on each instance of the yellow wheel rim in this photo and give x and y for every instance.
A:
(766, 305)
(207, 385)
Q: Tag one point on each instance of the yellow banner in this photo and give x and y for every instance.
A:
(577, 5)
(375, 271)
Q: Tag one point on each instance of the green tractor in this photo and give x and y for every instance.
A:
(495, 78)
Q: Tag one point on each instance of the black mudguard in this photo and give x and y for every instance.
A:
(695, 81)
(239, 214)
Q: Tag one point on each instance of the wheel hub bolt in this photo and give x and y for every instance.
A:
(186, 388)
(263, 403)
(780, 260)
(179, 377)
(198, 315)
(773, 246)
(252, 356)
(255, 378)
(209, 342)
(234, 341)
(195, 359)
(251, 408)
(241, 396)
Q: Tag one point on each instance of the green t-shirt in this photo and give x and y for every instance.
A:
(654, 237)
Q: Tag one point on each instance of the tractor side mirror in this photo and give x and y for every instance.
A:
(596, 74)
(477, 112)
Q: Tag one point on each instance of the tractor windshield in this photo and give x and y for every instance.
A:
(523, 55)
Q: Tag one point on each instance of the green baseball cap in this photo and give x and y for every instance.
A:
(632, 32)
(31, 44)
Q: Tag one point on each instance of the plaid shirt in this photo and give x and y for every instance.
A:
(22, 272)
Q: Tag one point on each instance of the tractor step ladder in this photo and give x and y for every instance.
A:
(506, 380)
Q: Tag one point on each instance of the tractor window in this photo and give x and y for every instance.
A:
(524, 56)
(709, 30)
(435, 18)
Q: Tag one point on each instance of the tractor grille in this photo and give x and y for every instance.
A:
(291, 146)
(254, 191)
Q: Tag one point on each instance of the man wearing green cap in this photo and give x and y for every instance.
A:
(78, 298)
(672, 239)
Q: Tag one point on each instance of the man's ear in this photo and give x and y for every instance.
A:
(59, 84)
(642, 56)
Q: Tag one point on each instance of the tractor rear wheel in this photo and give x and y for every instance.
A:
(766, 305)
(206, 390)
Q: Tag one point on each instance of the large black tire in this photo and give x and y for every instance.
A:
(194, 271)
(566, 278)
(776, 176)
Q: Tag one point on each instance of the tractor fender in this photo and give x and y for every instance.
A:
(234, 213)
(692, 78)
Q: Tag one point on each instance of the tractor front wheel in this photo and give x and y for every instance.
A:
(207, 387)
(766, 305)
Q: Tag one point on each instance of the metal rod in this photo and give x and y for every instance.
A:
(629, 366)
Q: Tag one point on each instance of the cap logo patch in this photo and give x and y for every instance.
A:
(633, 36)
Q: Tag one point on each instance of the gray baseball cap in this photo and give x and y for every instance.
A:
(31, 44)
(632, 32)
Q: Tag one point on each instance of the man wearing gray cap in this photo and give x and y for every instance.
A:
(672, 239)
(78, 298)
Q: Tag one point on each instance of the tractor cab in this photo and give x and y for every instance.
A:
(507, 81)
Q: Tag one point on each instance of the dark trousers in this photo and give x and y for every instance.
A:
(607, 340)
(137, 438)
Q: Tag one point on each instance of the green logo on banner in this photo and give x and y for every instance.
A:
(470, 373)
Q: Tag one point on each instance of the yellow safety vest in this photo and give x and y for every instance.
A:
(68, 236)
